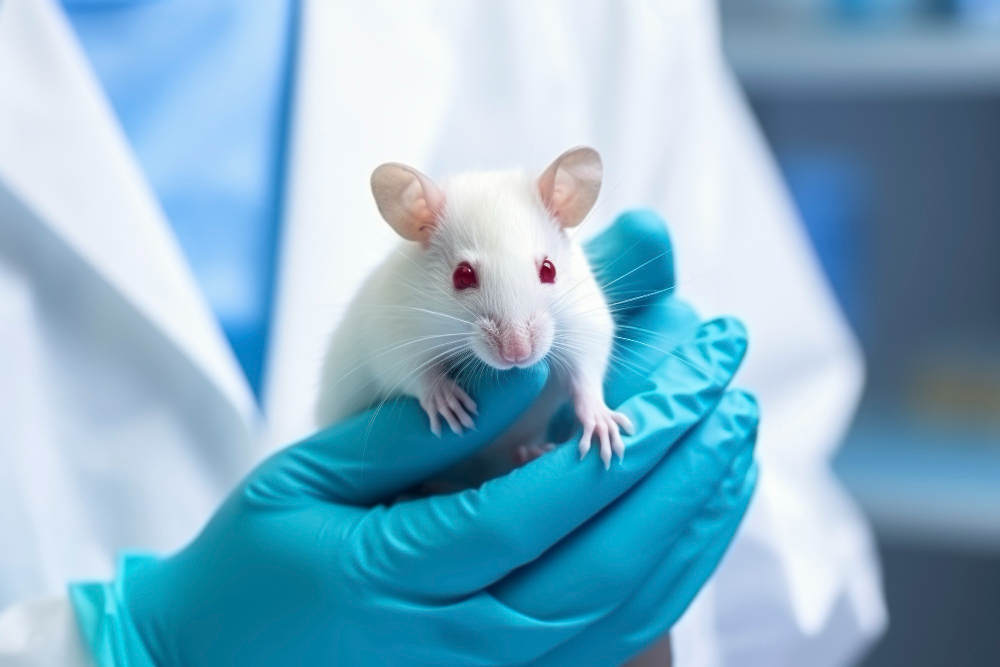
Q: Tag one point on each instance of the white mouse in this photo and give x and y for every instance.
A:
(487, 277)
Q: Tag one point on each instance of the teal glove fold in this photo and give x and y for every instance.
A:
(554, 563)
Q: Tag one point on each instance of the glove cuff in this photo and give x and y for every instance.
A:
(105, 622)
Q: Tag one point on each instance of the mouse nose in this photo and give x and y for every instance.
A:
(515, 348)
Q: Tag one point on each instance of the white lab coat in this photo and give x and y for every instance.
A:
(125, 418)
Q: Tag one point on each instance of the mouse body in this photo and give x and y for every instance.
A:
(486, 278)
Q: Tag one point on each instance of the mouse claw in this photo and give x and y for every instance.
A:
(445, 399)
(435, 424)
(459, 411)
(432, 414)
(601, 422)
(623, 421)
(617, 446)
(588, 433)
(453, 422)
(466, 400)
(606, 457)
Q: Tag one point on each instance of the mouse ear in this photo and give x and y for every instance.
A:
(409, 201)
(569, 187)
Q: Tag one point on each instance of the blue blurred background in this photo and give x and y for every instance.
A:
(884, 116)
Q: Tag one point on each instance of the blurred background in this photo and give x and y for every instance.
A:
(885, 118)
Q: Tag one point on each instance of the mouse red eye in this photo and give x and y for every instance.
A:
(464, 276)
(547, 274)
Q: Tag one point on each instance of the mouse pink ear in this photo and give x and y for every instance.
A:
(409, 201)
(569, 187)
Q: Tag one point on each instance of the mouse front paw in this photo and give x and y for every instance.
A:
(601, 421)
(444, 398)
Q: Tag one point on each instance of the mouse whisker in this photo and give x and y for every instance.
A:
(565, 294)
(612, 304)
(561, 361)
(454, 347)
(618, 306)
(388, 349)
(468, 367)
(671, 353)
(428, 312)
(626, 275)
(616, 357)
(651, 332)
(441, 358)
(565, 306)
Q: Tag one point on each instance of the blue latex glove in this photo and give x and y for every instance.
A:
(558, 562)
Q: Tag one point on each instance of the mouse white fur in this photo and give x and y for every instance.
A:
(486, 275)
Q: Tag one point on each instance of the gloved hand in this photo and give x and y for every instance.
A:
(558, 562)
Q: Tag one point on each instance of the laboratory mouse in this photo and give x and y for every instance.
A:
(486, 277)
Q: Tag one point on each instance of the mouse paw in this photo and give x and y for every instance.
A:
(601, 421)
(444, 398)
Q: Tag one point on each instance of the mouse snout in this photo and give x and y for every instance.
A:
(515, 347)
(512, 344)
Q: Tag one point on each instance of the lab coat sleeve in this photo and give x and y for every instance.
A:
(42, 633)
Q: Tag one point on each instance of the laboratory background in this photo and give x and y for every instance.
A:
(883, 116)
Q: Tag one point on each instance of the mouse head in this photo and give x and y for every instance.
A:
(497, 259)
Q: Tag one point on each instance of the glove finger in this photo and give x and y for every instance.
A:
(642, 619)
(633, 261)
(474, 629)
(642, 342)
(587, 574)
(456, 544)
(379, 454)
(483, 628)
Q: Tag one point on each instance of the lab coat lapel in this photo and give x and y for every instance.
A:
(64, 155)
(373, 85)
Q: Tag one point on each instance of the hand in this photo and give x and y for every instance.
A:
(554, 561)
